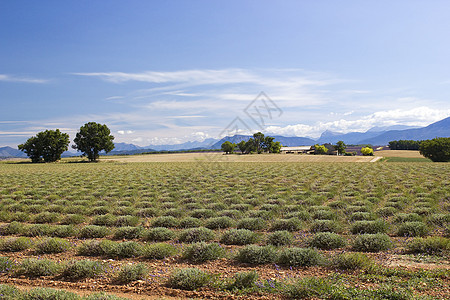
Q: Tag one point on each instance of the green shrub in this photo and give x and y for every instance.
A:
(188, 279)
(129, 273)
(232, 213)
(159, 234)
(203, 213)
(377, 226)
(385, 212)
(219, 223)
(243, 280)
(46, 217)
(127, 233)
(52, 245)
(295, 257)
(280, 238)
(33, 267)
(324, 215)
(403, 217)
(130, 221)
(439, 219)
(12, 228)
(16, 244)
(193, 235)
(412, 229)
(327, 241)
(49, 294)
(351, 261)
(292, 224)
(389, 292)
(63, 231)
(5, 264)
(73, 219)
(238, 237)
(125, 250)
(430, 245)
(9, 292)
(94, 231)
(147, 212)
(325, 226)
(165, 221)
(256, 255)
(103, 296)
(97, 248)
(307, 288)
(301, 215)
(372, 242)
(105, 220)
(201, 252)
(252, 224)
(159, 251)
(37, 230)
(82, 269)
(190, 222)
(361, 216)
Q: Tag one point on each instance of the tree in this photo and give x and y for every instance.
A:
(46, 146)
(259, 141)
(367, 151)
(340, 147)
(320, 149)
(93, 138)
(242, 145)
(228, 147)
(438, 149)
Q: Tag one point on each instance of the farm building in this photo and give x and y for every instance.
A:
(298, 149)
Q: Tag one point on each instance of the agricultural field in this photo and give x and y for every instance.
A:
(228, 230)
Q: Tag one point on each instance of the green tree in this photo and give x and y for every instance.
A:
(93, 138)
(340, 147)
(259, 142)
(46, 146)
(228, 147)
(438, 149)
(320, 149)
(242, 145)
(367, 151)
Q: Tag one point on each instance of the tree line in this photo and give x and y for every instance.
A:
(404, 145)
(48, 145)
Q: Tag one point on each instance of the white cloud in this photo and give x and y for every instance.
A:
(9, 78)
(418, 116)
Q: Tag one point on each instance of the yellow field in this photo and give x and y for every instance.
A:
(398, 153)
(220, 157)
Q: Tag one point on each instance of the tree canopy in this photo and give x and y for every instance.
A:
(438, 149)
(259, 144)
(367, 151)
(228, 147)
(340, 147)
(93, 138)
(46, 146)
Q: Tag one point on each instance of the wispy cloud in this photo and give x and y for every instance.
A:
(10, 78)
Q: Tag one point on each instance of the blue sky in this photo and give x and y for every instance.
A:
(160, 72)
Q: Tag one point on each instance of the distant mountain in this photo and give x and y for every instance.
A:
(285, 141)
(8, 152)
(437, 129)
(349, 138)
(206, 144)
(125, 147)
(393, 127)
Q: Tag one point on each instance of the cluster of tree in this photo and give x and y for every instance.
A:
(258, 144)
(438, 149)
(404, 145)
(328, 148)
(47, 146)
(367, 151)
